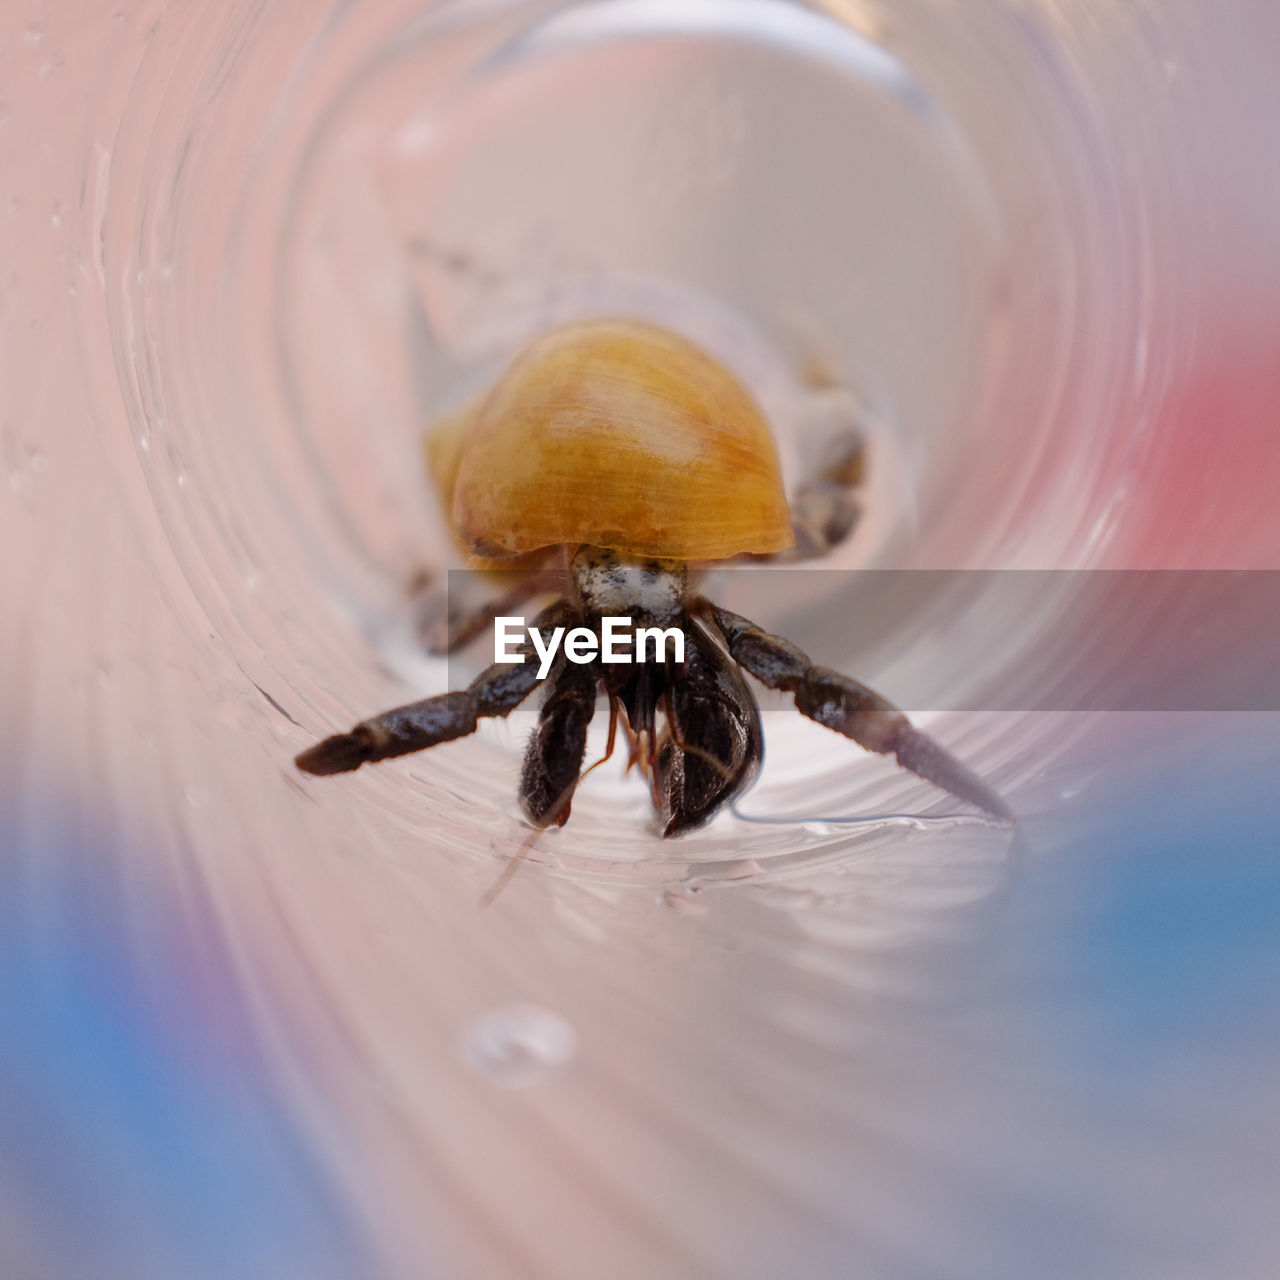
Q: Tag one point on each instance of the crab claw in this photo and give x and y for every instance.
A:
(713, 744)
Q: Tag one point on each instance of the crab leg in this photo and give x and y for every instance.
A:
(847, 707)
(496, 691)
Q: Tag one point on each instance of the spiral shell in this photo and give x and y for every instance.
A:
(617, 434)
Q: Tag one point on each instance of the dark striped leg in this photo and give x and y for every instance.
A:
(496, 691)
(450, 619)
(826, 508)
(553, 759)
(848, 707)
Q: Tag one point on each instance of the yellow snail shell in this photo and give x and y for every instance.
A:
(618, 434)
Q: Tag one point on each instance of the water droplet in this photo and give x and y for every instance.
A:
(682, 900)
(33, 37)
(519, 1044)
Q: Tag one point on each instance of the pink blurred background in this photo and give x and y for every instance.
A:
(255, 1026)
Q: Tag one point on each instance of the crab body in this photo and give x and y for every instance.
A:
(625, 452)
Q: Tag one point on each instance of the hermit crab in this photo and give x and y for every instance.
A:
(628, 456)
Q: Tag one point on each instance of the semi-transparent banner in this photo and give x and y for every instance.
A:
(1000, 640)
